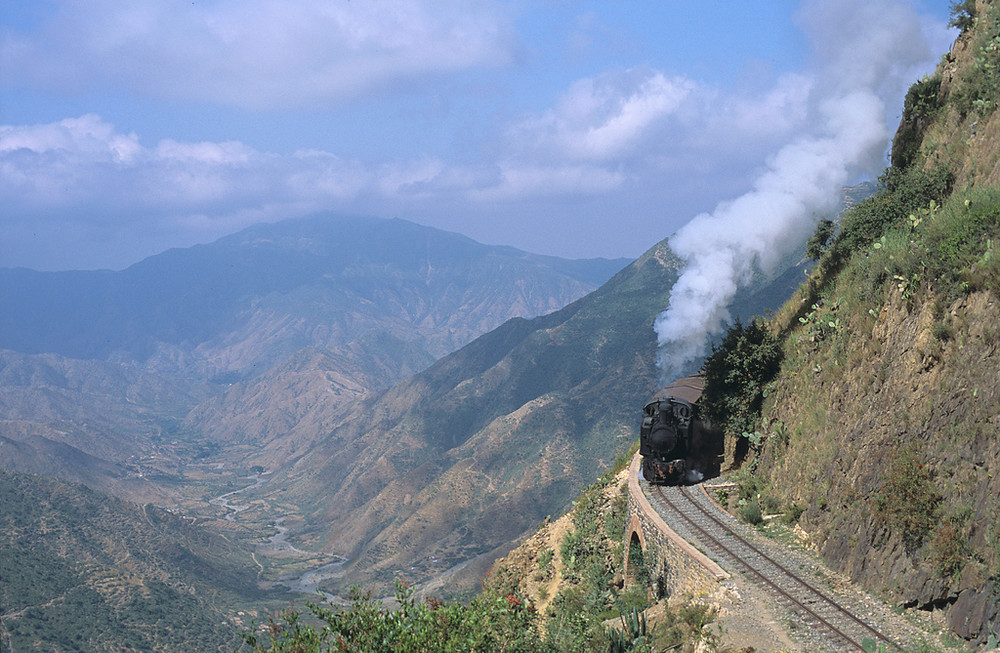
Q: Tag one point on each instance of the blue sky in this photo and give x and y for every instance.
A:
(569, 128)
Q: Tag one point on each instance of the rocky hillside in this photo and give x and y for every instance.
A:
(84, 420)
(459, 461)
(83, 571)
(98, 367)
(882, 423)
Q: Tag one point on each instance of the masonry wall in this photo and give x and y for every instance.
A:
(675, 567)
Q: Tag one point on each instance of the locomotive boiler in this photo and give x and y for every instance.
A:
(672, 433)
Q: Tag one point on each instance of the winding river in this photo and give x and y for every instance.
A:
(309, 580)
(223, 500)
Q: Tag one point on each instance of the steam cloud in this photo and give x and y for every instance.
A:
(868, 49)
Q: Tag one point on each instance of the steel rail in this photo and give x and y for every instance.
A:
(785, 594)
(808, 586)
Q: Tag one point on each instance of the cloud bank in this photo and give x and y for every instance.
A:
(615, 136)
(603, 162)
(257, 54)
(865, 50)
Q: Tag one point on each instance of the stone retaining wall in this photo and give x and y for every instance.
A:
(674, 566)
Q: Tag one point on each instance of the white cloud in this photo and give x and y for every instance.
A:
(631, 137)
(633, 147)
(604, 118)
(259, 54)
(82, 176)
(87, 134)
(204, 153)
(639, 130)
(520, 181)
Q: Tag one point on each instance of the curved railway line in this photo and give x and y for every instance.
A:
(694, 517)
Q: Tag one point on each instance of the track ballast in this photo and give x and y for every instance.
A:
(693, 516)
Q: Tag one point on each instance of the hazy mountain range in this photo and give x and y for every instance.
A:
(459, 460)
(109, 362)
(251, 299)
(318, 350)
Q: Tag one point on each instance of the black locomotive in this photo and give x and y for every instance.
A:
(673, 433)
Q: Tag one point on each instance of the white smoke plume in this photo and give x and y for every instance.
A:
(693, 476)
(867, 50)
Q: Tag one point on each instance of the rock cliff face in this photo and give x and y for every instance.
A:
(884, 421)
(913, 420)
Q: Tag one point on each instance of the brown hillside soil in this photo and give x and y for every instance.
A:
(969, 143)
(887, 432)
(744, 615)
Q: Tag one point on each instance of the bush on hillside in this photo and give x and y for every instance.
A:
(906, 501)
(736, 374)
(978, 87)
(818, 243)
(949, 544)
(750, 513)
(491, 622)
(950, 249)
(919, 108)
(958, 247)
(963, 14)
(904, 191)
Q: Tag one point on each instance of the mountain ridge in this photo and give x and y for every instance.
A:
(460, 459)
(190, 299)
(107, 363)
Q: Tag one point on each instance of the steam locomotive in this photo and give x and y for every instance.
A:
(673, 432)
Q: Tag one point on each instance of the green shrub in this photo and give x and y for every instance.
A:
(635, 596)
(963, 14)
(491, 622)
(581, 545)
(919, 107)
(906, 501)
(922, 98)
(749, 486)
(792, 513)
(953, 249)
(570, 626)
(696, 615)
(688, 623)
(769, 504)
(631, 637)
(949, 549)
(750, 513)
(958, 244)
(817, 244)
(736, 373)
(979, 86)
(904, 191)
(616, 516)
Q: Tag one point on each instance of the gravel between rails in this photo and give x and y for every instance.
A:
(752, 613)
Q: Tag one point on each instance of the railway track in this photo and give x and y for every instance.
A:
(693, 516)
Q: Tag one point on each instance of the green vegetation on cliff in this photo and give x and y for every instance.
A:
(578, 557)
(882, 422)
